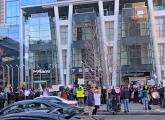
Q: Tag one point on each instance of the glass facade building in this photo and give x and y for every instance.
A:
(9, 35)
(112, 42)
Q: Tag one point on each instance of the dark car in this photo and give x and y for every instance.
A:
(31, 105)
(38, 115)
(57, 101)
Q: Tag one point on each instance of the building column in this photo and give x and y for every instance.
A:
(155, 43)
(60, 60)
(70, 14)
(104, 41)
(115, 50)
(21, 54)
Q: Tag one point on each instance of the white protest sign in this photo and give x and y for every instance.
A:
(151, 82)
(27, 93)
(81, 81)
(56, 87)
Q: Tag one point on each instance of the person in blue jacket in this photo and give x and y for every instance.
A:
(90, 101)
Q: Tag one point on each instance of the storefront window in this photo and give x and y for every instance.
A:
(159, 4)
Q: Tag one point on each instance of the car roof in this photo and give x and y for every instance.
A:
(49, 97)
(24, 102)
(39, 114)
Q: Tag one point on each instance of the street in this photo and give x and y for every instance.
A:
(127, 117)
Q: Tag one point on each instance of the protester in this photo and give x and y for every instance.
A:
(125, 98)
(145, 98)
(90, 102)
(64, 94)
(80, 94)
(97, 100)
(3, 98)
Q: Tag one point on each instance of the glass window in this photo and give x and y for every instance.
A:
(160, 26)
(77, 58)
(37, 106)
(110, 56)
(12, 12)
(134, 54)
(159, 4)
(161, 53)
(14, 109)
(110, 30)
(64, 57)
(39, 28)
(33, 2)
(64, 35)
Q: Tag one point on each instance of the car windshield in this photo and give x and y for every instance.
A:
(61, 103)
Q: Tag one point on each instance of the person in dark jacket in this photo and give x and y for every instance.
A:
(90, 101)
(145, 98)
(125, 98)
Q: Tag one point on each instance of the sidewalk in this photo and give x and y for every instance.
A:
(135, 109)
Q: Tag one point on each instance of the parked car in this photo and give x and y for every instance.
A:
(38, 115)
(59, 99)
(31, 105)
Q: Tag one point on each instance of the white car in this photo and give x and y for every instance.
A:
(58, 99)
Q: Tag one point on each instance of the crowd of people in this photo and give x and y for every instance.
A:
(90, 97)
(146, 95)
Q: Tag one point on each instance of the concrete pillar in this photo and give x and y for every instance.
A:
(21, 31)
(60, 60)
(154, 36)
(115, 50)
(104, 40)
(70, 14)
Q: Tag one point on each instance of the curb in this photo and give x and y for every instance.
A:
(132, 113)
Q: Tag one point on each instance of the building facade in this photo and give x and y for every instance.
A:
(113, 42)
(9, 42)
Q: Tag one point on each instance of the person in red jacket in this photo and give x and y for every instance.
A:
(64, 94)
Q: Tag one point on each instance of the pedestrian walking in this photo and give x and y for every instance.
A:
(90, 102)
(97, 100)
(145, 98)
(125, 98)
